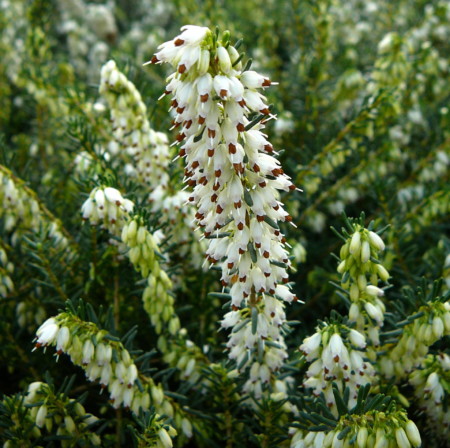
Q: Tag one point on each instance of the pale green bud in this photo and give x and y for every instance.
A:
(132, 229)
(165, 438)
(365, 252)
(41, 416)
(361, 439)
(413, 434)
(355, 244)
(402, 439)
(224, 59)
(382, 272)
(70, 424)
(203, 62)
(376, 241)
(141, 235)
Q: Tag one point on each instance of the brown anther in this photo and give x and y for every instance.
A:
(216, 186)
(266, 83)
(325, 369)
(181, 68)
(174, 103)
(207, 234)
(266, 274)
(265, 111)
(242, 279)
(210, 152)
(191, 199)
(266, 254)
(218, 173)
(272, 314)
(240, 127)
(219, 209)
(276, 172)
(256, 168)
(180, 110)
(195, 164)
(203, 180)
(262, 184)
(188, 124)
(242, 103)
(240, 225)
(192, 183)
(182, 152)
(258, 245)
(217, 226)
(238, 168)
(230, 265)
(260, 218)
(237, 204)
(346, 367)
(214, 197)
(180, 137)
(245, 294)
(276, 207)
(224, 283)
(271, 291)
(295, 299)
(211, 133)
(223, 93)
(336, 358)
(199, 216)
(241, 251)
(234, 307)
(262, 289)
(268, 147)
(232, 148)
(292, 187)
(154, 60)
(288, 218)
(204, 98)
(180, 42)
(283, 240)
(201, 119)
(276, 232)
(59, 352)
(285, 280)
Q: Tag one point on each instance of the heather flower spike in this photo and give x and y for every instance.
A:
(236, 181)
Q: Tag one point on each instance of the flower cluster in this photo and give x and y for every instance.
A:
(131, 129)
(431, 387)
(361, 270)
(135, 140)
(21, 212)
(431, 324)
(336, 353)
(48, 409)
(235, 180)
(372, 429)
(107, 207)
(92, 349)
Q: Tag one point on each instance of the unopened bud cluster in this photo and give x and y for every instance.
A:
(361, 271)
(144, 254)
(417, 337)
(103, 360)
(106, 207)
(431, 387)
(387, 429)
(131, 128)
(236, 183)
(337, 354)
(60, 415)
